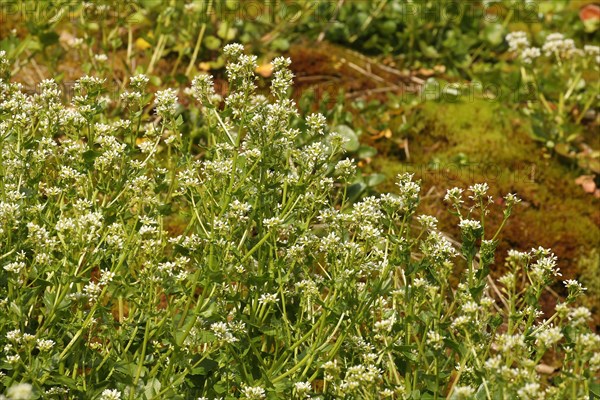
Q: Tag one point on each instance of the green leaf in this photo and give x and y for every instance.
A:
(477, 290)
(212, 42)
(152, 388)
(355, 190)
(226, 32)
(366, 152)
(205, 367)
(374, 179)
(453, 345)
(494, 34)
(351, 143)
(280, 44)
(49, 38)
(62, 380)
(428, 51)
(481, 393)
(388, 27)
(219, 388)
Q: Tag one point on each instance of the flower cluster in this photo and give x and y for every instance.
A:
(236, 263)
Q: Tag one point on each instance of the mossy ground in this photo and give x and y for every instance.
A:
(454, 144)
(458, 144)
(464, 142)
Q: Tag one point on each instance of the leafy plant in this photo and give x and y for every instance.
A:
(560, 81)
(214, 252)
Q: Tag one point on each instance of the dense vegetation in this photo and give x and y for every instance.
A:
(186, 217)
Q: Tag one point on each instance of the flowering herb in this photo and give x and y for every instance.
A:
(275, 285)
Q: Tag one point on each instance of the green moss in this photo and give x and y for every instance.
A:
(458, 144)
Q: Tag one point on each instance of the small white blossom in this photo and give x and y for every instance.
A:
(268, 298)
(517, 41)
(110, 394)
(45, 344)
(20, 391)
(253, 393)
(166, 103)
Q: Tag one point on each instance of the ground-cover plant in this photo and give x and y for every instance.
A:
(562, 86)
(275, 286)
(426, 33)
(167, 40)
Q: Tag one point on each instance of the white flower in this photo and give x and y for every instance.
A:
(166, 103)
(203, 88)
(253, 392)
(579, 315)
(110, 394)
(13, 359)
(529, 391)
(479, 190)
(591, 50)
(595, 362)
(20, 391)
(463, 392)
(15, 267)
(92, 290)
(548, 337)
(14, 335)
(428, 221)
(574, 287)
(529, 54)
(221, 331)
(557, 45)
(106, 277)
(316, 123)
(282, 77)
(101, 58)
(273, 222)
(268, 298)
(45, 344)
(517, 40)
(454, 196)
(435, 340)
(139, 82)
(409, 191)
(345, 168)
(469, 225)
(233, 50)
(302, 388)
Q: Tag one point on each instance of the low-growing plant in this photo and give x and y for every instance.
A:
(562, 86)
(213, 253)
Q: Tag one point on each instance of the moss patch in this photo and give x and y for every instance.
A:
(458, 144)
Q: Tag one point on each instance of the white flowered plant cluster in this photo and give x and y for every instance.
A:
(559, 80)
(154, 257)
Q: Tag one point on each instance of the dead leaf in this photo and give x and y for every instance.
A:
(589, 12)
(425, 72)
(66, 39)
(265, 70)
(204, 66)
(142, 44)
(587, 183)
(545, 369)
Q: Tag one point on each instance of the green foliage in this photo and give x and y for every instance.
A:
(562, 87)
(276, 285)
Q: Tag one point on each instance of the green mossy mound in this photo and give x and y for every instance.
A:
(458, 144)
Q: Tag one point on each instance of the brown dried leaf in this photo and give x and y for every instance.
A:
(545, 369)
(265, 70)
(587, 183)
